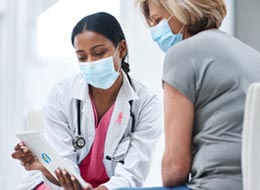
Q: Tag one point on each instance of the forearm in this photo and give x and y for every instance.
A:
(173, 174)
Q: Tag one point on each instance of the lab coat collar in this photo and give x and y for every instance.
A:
(127, 89)
(80, 89)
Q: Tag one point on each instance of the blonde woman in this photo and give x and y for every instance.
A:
(205, 79)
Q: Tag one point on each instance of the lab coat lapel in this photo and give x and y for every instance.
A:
(80, 92)
(88, 123)
(118, 125)
(120, 117)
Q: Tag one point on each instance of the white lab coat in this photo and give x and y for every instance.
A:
(136, 149)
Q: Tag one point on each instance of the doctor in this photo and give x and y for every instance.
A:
(101, 121)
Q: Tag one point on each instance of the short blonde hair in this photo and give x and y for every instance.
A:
(197, 15)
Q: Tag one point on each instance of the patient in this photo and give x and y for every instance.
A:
(205, 78)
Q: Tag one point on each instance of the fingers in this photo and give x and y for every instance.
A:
(66, 181)
(90, 187)
(21, 151)
(27, 158)
(59, 176)
(28, 165)
(75, 183)
(18, 146)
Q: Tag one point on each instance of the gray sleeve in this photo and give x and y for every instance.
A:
(180, 72)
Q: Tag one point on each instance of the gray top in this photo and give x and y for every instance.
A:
(213, 70)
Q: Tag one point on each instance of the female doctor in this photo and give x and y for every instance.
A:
(101, 121)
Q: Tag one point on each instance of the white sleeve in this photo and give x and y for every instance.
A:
(57, 129)
(30, 180)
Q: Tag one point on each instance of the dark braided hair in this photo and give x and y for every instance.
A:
(106, 25)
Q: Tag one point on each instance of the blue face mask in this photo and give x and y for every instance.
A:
(100, 73)
(162, 34)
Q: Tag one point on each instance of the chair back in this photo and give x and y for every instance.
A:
(35, 120)
(251, 139)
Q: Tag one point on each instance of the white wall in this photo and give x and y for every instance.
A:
(15, 17)
(11, 92)
(247, 22)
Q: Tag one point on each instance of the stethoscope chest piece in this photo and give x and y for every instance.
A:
(78, 142)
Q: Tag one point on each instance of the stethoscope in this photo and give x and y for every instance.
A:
(79, 142)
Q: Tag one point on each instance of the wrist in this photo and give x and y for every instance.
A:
(43, 169)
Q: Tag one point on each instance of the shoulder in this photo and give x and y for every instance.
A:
(199, 44)
(63, 89)
(69, 82)
(147, 109)
(145, 95)
(202, 48)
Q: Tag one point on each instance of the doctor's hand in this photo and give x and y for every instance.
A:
(68, 182)
(27, 159)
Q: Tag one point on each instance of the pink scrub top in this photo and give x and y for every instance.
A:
(92, 168)
(42, 186)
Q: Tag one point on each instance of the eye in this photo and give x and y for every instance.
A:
(99, 53)
(82, 59)
(157, 21)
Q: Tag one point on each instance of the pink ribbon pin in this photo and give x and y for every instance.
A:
(119, 119)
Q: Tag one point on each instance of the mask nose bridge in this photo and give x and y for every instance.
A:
(91, 59)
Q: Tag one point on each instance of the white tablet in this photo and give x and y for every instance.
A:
(45, 153)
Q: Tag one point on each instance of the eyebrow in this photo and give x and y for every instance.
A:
(99, 45)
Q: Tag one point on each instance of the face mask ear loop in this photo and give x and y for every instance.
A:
(181, 29)
(119, 68)
(115, 52)
(169, 18)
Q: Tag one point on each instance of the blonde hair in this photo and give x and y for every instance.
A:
(197, 15)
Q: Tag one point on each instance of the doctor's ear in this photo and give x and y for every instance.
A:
(122, 49)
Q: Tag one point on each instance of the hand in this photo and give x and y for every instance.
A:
(100, 188)
(27, 159)
(68, 182)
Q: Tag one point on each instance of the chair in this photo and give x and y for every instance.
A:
(251, 139)
(35, 120)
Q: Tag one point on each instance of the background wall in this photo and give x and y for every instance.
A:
(247, 24)
(16, 52)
